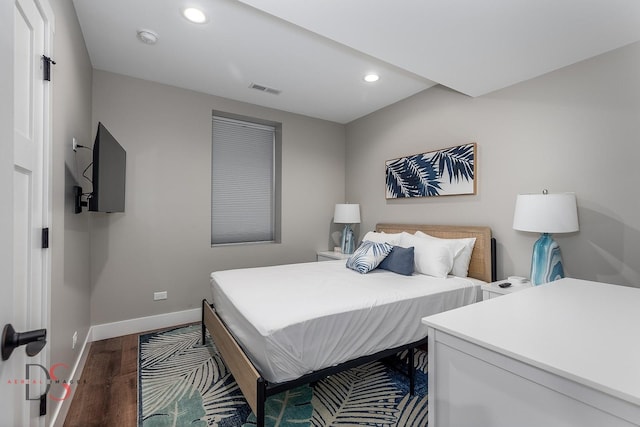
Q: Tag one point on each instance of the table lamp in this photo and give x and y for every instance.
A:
(347, 214)
(546, 213)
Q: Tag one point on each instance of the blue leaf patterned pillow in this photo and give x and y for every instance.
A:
(368, 256)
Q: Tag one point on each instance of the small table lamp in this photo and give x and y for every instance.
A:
(347, 214)
(546, 213)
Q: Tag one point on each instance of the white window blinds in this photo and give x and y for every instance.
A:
(242, 182)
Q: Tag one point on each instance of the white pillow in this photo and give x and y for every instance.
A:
(461, 258)
(390, 238)
(431, 257)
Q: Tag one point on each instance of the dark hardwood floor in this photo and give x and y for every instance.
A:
(107, 392)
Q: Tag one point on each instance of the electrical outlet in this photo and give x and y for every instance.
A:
(74, 340)
(159, 295)
(74, 144)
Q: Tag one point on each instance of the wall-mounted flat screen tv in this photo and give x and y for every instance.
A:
(109, 173)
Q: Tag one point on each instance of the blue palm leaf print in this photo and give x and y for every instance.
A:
(412, 176)
(423, 174)
(457, 161)
(368, 256)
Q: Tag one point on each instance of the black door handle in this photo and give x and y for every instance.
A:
(35, 341)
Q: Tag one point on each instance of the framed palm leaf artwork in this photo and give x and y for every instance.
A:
(447, 172)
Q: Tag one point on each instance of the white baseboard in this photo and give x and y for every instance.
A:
(142, 324)
(60, 411)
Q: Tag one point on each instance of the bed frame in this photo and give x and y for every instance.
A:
(256, 389)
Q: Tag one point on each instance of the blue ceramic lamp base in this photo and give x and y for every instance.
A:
(546, 263)
(348, 243)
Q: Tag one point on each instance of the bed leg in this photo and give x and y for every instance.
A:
(261, 396)
(412, 372)
(202, 325)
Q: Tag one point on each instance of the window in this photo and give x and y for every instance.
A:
(245, 159)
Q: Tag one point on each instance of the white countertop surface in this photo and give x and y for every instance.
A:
(585, 331)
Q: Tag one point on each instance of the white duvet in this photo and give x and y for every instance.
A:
(298, 318)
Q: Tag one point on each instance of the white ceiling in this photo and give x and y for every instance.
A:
(316, 52)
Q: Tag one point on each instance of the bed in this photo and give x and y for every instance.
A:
(272, 342)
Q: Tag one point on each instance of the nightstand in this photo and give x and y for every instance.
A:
(492, 290)
(331, 255)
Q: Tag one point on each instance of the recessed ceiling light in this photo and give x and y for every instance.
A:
(372, 77)
(194, 15)
(147, 36)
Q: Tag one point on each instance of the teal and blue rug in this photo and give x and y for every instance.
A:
(184, 383)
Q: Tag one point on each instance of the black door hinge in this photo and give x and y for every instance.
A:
(43, 405)
(46, 61)
(45, 238)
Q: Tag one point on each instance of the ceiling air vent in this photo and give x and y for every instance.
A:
(265, 89)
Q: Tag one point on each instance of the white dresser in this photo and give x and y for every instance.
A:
(565, 353)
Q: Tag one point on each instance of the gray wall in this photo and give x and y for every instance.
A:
(575, 129)
(162, 241)
(71, 117)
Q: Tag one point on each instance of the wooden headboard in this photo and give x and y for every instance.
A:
(482, 265)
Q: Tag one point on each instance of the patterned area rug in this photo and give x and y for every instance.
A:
(184, 383)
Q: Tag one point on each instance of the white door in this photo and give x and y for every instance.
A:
(30, 279)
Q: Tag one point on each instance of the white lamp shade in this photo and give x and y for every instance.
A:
(546, 213)
(347, 213)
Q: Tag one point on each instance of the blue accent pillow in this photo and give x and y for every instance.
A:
(399, 260)
(368, 256)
